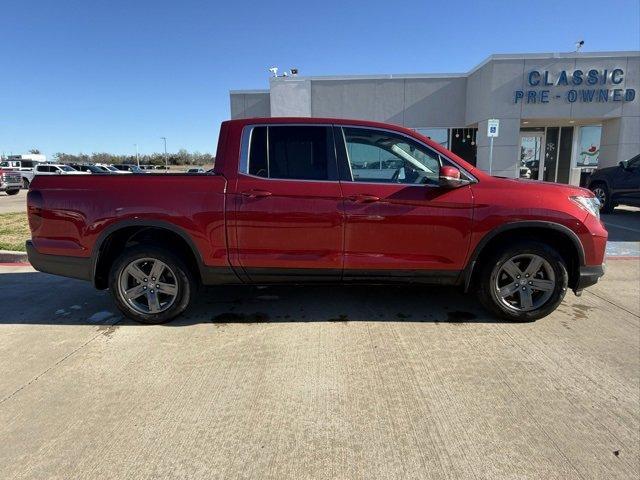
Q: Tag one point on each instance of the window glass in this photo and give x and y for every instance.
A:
(298, 153)
(258, 152)
(589, 146)
(439, 135)
(634, 162)
(66, 168)
(381, 156)
(291, 152)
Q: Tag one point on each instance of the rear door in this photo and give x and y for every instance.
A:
(400, 225)
(288, 218)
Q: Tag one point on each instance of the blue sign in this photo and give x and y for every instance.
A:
(585, 87)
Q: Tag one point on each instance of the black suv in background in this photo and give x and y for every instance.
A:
(618, 185)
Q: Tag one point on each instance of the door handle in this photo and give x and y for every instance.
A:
(256, 193)
(363, 198)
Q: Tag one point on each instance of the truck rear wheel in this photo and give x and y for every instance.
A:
(25, 184)
(150, 284)
(523, 282)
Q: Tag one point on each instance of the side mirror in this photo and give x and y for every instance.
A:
(450, 177)
(59, 172)
(623, 165)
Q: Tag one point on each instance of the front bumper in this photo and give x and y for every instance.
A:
(73, 267)
(4, 186)
(588, 275)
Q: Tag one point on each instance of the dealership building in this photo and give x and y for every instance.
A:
(560, 114)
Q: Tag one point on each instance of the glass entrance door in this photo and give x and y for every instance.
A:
(531, 155)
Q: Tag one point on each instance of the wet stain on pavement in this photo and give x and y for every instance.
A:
(107, 330)
(231, 317)
(459, 316)
(580, 311)
(341, 318)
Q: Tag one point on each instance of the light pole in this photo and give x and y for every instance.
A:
(166, 163)
(137, 158)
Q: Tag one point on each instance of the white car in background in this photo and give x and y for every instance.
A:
(57, 169)
(112, 169)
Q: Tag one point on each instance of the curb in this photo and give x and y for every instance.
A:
(9, 256)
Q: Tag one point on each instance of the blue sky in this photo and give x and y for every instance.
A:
(91, 76)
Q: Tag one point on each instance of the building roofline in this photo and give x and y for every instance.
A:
(241, 92)
(490, 58)
(552, 55)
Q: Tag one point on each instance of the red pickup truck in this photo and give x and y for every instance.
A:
(305, 200)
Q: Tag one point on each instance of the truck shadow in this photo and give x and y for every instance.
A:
(41, 299)
(334, 303)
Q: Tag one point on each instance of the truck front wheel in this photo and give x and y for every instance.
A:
(523, 282)
(150, 284)
(13, 192)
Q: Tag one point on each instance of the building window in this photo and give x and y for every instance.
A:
(589, 148)
(463, 143)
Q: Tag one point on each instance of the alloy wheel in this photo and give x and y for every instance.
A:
(524, 282)
(148, 286)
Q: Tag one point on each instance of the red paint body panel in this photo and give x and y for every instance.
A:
(411, 227)
(75, 210)
(304, 224)
(299, 225)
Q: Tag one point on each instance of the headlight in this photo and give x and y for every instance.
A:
(590, 204)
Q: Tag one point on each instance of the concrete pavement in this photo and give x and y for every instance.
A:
(318, 383)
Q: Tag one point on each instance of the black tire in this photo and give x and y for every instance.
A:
(25, 184)
(492, 267)
(181, 276)
(601, 191)
(13, 192)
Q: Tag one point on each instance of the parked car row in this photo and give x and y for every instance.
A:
(26, 170)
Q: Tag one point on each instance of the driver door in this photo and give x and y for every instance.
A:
(399, 223)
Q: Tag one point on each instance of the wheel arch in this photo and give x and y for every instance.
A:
(602, 180)
(559, 236)
(116, 237)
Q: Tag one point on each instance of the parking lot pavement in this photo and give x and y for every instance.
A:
(13, 203)
(319, 382)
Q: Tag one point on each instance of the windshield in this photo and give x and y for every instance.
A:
(66, 168)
